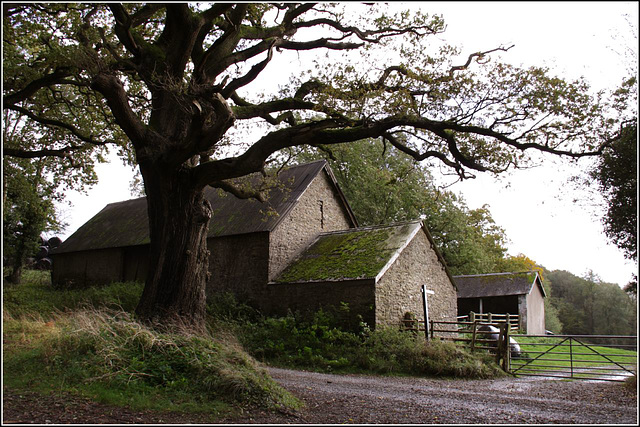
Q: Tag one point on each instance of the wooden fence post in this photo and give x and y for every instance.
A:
(473, 335)
(500, 346)
(425, 311)
(507, 346)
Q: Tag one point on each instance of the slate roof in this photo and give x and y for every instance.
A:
(354, 254)
(497, 284)
(125, 223)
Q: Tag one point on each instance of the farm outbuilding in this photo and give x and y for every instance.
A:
(257, 247)
(379, 270)
(519, 293)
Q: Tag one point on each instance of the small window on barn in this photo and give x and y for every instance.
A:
(321, 203)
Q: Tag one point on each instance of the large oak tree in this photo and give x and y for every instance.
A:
(169, 84)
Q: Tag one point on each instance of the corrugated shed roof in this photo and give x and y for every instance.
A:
(360, 253)
(497, 284)
(125, 223)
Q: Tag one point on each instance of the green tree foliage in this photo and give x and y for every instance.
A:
(168, 85)
(520, 262)
(384, 185)
(27, 212)
(42, 158)
(587, 306)
(30, 187)
(616, 174)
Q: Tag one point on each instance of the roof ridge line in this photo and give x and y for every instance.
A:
(496, 274)
(371, 227)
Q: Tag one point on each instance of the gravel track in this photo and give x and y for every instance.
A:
(361, 399)
(373, 399)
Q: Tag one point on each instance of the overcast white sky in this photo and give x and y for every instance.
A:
(535, 207)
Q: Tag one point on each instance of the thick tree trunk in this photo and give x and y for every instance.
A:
(178, 260)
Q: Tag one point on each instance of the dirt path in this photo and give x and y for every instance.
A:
(336, 399)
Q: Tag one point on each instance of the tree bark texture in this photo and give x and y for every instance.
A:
(179, 218)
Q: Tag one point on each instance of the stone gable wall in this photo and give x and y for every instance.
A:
(399, 289)
(318, 210)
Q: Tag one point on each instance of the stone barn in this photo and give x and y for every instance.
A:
(378, 270)
(500, 293)
(252, 247)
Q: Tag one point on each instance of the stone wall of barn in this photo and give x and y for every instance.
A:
(87, 268)
(399, 290)
(135, 263)
(239, 265)
(358, 294)
(318, 210)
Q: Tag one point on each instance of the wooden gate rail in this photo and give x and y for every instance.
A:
(492, 318)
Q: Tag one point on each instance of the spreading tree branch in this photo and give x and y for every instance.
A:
(60, 124)
(58, 76)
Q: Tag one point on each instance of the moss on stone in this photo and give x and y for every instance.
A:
(346, 255)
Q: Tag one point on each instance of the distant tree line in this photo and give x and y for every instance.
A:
(589, 306)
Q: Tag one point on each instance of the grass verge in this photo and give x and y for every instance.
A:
(36, 296)
(58, 341)
(88, 342)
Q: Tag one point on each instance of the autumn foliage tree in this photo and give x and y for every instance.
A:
(169, 85)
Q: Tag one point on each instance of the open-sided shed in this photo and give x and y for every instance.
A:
(519, 293)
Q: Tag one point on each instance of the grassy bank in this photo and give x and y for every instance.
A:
(88, 343)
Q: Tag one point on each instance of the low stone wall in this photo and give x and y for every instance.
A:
(360, 295)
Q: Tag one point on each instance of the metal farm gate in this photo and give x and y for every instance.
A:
(578, 357)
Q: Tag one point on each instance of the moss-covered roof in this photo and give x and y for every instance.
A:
(360, 253)
(497, 284)
(125, 223)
